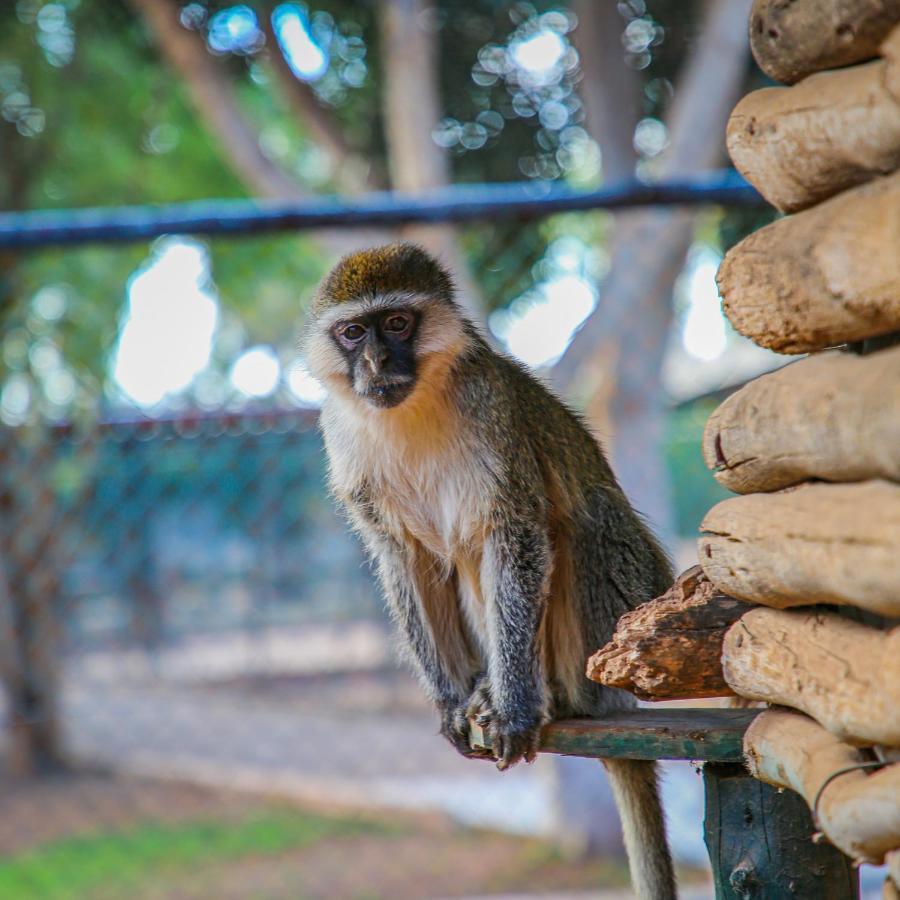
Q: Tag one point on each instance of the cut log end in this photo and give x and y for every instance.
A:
(791, 40)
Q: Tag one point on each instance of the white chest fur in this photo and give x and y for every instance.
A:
(425, 481)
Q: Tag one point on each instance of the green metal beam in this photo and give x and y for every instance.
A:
(710, 735)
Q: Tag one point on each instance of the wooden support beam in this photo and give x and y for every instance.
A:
(671, 647)
(790, 40)
(800, 145)
(892, 882)
(858, 810)
(805, 422)
(825, 276)
(843, 674)
(760, 842)
(702, 734)
(817, 543)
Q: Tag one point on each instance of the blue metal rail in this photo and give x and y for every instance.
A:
(460, 203)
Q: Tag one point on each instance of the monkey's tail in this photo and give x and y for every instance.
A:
(635, 789)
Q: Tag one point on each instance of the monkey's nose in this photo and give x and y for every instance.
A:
(375, 358)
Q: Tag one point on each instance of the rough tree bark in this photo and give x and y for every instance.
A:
(790, 40)
(821, 277)
(671, 647)
(832, 131)
(616, 356)
(816, 543)
(843, 674)
(831, 417)
(858, 812)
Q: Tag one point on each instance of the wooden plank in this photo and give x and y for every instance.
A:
(760, 842)
(702, 734)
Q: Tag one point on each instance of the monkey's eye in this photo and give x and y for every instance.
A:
(396, 323)
(353, 332)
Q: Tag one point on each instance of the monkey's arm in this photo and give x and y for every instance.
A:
(424, 604)
(517, 565)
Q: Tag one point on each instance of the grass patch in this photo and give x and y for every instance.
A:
(119, 863)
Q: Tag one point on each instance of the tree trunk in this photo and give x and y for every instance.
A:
(610, 89)
(616, 356)
(28, 589)
(831, 417)
(214, 99)
(412, 109)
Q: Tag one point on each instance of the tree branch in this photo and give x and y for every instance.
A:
(215, 100)
(351, 171)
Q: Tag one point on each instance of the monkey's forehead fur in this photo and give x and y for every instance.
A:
(391, 269)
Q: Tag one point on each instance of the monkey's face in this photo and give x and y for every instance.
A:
(384, 328)
(379, 350)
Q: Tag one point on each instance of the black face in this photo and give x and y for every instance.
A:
(380, 353)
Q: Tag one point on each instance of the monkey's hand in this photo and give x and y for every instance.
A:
(455, 727)
(511, 739)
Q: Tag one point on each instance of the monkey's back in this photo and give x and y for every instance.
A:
(606, 559)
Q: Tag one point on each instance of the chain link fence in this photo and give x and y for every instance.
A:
(202, 698)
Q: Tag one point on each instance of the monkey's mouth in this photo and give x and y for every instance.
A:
(387, 391)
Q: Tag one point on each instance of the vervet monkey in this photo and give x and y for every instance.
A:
(505, 547)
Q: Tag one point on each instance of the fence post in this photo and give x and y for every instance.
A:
(29, 657)
(760, 846)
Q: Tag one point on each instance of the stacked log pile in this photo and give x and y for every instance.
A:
(796, 601)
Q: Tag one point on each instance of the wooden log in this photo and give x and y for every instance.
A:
(816, 543)
(834, 417)
(843, 674)
(760, 842)
(832, 131)
(858, 811)
(671, 647)
(790, 39)
(822, 277)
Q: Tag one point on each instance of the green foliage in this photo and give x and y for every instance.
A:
(124, 863)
